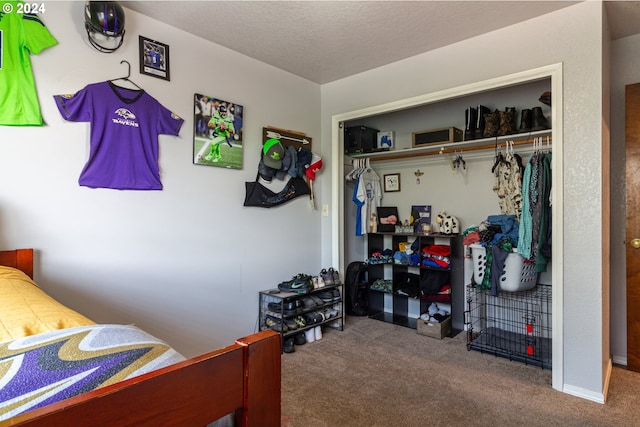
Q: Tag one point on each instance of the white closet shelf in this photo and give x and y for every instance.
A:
(452, 147)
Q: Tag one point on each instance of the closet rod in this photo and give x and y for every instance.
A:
(452, 149)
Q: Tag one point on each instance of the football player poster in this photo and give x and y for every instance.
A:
(217, 133)
(154, 58)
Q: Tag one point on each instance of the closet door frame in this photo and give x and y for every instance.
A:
(554, 72)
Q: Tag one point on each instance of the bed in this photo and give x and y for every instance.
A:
(240, 381)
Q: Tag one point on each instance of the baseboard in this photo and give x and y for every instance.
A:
(583, 393)
(591, 395)
(620, 360)
(607, 379)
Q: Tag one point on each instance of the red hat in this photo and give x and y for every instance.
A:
(314, 166)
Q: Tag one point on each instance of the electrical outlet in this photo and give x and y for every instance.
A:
(325, 210)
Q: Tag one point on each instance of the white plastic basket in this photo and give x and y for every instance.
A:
(516, 275)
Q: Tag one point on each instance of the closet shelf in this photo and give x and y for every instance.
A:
(472, 145)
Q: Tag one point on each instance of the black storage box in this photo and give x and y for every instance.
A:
(360, 139)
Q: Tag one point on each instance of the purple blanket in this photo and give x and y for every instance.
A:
(41, 369)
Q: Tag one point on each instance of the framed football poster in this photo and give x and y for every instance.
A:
(154, 58)
(217, 133)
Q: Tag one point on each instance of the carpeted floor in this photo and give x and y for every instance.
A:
(378, 374)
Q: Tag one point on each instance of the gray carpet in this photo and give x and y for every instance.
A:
(378, 374)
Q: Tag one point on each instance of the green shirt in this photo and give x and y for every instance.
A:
(21, 35)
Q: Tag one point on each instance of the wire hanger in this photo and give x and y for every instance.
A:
(126, 78)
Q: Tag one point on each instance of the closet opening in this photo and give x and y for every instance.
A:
(455, 176)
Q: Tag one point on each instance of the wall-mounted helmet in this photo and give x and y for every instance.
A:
(104, 22)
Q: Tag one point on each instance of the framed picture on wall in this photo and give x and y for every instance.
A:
(154, 58)
(391, 182)
(217, 133)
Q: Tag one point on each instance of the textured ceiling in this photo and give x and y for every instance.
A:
(323, 41)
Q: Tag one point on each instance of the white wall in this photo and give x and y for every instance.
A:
(185, 263)
(572, 36)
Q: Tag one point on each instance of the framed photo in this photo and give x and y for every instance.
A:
(385, 140)
(154, 58)
(421, 218)
(217, 132)
(387, 219)
(391, 182)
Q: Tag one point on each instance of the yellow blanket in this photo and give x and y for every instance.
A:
(25, 309)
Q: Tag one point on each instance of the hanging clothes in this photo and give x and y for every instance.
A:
(526, 222)
(543, 252)
(369, 195)
(535, 225)
(508, 184)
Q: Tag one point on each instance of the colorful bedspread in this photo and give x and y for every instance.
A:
(41, 369)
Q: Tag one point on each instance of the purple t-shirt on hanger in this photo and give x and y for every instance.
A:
(125, 124)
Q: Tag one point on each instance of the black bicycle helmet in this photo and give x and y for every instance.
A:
(104, 22)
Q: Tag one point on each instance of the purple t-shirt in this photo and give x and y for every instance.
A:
(125, 125)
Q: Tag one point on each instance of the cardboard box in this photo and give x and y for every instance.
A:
(434, 329)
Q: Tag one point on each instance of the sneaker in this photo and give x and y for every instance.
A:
(289, 308)
(309, 303)
(288, 347)
(331, 312)
(317, 300)
(327, 277)
(325, 296)
(299, 339)
(300, 284)
(334, 275)
(317, 333)
(310, 335)
(275, 324)
(300, 321)
(290, 324)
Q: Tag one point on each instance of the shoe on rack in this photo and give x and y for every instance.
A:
(332, 312)
(299, 339)
(317, 332)
(290, 324)
(309, 303)
(274, 306)
(335, 276)
(313, 317)
(317, 300)
(300, 284)
(325, 296)
(336, 294)
(288, 346)
(327, 277)
(310, 335)
(321, 283)
(275, 324)
(300, 321)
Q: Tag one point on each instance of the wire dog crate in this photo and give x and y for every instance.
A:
(514, 325)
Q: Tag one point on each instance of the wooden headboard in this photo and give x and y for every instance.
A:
(22, 259)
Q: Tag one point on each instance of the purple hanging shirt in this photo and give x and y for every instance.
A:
(125, 125)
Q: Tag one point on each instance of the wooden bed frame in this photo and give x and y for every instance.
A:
(243, 378)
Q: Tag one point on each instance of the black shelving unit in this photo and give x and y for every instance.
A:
(393, 307)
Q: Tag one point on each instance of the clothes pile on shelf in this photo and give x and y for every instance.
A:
(435, 286)
(437, 256)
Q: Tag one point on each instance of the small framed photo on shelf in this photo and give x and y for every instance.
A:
(391, 182)
(421, 218)
(385, 140)
(387, 219)
(154, 58)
